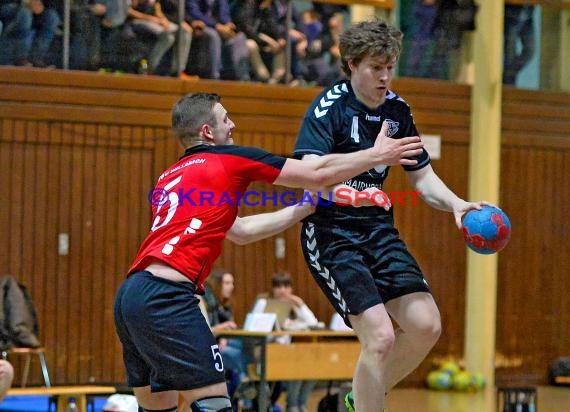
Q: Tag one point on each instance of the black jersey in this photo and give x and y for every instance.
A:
(336, 122)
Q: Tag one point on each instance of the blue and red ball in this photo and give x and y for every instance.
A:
(486, 231)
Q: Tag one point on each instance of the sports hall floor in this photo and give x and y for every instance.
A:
(550, 399)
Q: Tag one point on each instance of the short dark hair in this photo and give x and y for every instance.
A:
(374, 38)
(281, 279)
(191, 112)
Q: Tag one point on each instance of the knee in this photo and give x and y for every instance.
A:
(252, 45)
(380, 344)
(24, 19)
(51, 20)
(429, 331)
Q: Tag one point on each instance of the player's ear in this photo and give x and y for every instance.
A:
(351, 64)
(207, 133)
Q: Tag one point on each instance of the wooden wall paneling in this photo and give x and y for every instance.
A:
(84, 276)
(534, 257)
(48, 313)
(110, 357)
(61, 276)
(532, 269)
(5, 220)
(98, 347)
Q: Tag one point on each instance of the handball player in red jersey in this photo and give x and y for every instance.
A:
(168, 348)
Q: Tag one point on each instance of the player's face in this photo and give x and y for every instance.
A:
(222, 132)
(371, 78)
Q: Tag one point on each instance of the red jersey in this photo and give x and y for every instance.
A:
(195, 202)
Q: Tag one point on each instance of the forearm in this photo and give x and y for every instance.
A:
(436, 194)
(336, 168)
(256, 227)
(318, 172)
(304, 314)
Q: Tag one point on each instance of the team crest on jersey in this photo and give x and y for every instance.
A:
(392, 127)
(329, 98)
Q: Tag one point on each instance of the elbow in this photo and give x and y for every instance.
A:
(240, 239)
(320, 179)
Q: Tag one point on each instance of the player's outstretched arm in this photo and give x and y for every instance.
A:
(324, 171)
(436, 194)
(249, 229)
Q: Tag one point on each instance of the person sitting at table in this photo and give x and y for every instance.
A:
(294, 314)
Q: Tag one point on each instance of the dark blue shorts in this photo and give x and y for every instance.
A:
(166, 340)
(361, 264)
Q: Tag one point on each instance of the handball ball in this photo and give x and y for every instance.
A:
(450, 367)
(478, 381)
(439, 380)
(486, 231)
(461, 381)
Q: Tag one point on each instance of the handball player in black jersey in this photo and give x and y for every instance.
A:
(355, 253)
(168, 348)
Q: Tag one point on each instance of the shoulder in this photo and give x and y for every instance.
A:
(396, 101)
(331, 100)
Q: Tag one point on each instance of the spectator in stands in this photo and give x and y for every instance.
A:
(33, 19)
(15, 19)
(183, 39)
(321, 60)
(453, 18)
(116, 34)
(147, 21)
(425, 12)
(85, 32)
(44, 26)
(297, 316)
(247, 16)
(6, 377)
(519, 40)
(218, 50)
(277, 23)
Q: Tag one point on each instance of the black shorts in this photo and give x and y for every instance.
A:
(361, 264)
(166, 340)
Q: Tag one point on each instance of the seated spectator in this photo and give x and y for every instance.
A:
(519, 40)
(453, 18)
(44, 26)
(425, 12)
(264, 24)
(247, 16)
(298, 317)
(34, 19)
(218, 49)
(321, 57)
(183, 39)
(6, 377)
(147, 19)
(277, 24)
(16, 25)
(85, 33)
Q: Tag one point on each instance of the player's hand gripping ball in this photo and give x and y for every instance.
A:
(486, 231)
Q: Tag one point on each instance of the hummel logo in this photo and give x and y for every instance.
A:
(328, 99)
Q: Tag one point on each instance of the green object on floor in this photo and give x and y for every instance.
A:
(349, 402)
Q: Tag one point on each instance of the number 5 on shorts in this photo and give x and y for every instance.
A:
(219, 364)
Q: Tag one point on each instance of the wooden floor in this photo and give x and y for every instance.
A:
(550, 399)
